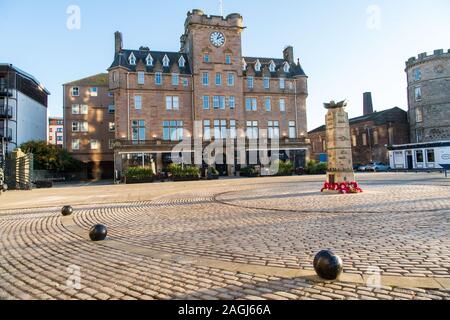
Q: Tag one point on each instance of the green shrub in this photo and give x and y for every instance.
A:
(178, 171)
(249, 172)
(285, 168)
(313, 167)
(138, 173)
(213, 171)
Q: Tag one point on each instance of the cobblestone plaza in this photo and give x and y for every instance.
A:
(229, 239)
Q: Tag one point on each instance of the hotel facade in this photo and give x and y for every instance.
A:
(208, 91)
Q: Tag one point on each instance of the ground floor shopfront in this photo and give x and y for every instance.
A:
(425, 156)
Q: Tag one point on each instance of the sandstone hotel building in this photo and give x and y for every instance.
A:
(159, 95)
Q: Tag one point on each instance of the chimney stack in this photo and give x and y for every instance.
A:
(288, 54)
(118, 43)
(368, 105)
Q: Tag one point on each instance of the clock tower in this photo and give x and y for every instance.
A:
(213, 46)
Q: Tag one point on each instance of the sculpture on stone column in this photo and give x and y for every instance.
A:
(340, 174)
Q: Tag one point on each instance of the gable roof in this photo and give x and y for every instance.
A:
(121, 60)
(378, 117)
(99, 80)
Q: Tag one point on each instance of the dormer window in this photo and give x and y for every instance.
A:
(132, 59)
(181, 62)
(166, 61)
(149, 60)
(286, 67)
(272, 66)
(258, 66)
(244, 65)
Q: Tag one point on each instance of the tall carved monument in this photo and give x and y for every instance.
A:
(340, 175)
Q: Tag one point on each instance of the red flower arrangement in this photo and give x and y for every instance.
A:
(343, 187)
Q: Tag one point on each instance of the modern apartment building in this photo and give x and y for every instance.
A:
(89, 124)
(159, 96)
(56, 131)
(23, 109)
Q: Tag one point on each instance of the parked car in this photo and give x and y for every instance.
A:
(361, 167)
(378, 167)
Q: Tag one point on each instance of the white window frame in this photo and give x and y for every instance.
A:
(149, 60)
(94, 142)
(111, 109)
(175, 79)
(141, 77)
(172, 103)
(158, 78)
(132, 59)
(268, 104)
(205, 79)
(266, 82)
(206, 103)
(230, 79)
(75, 144)
(232, 102)
(419, 115)
(218, 79)
(112, 127)
(418, 94)
(181, 62)
(76, 109)
(292, 130)
(286, 67)
(138, 102)
(282, 83)
(166, 61)
(250, 82)
(272, 66)
(93, 91)
(84, 109)
(206, 130)
(228, 59)
(282, 103)
(72, 91)
(258, 66)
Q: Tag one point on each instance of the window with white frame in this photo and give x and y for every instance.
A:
(258, 66)
(354, 141)
(220, 129)
(266, 81)
(138, 102)
(185, 82)
(75, 109)
(282, 105)
(172, 103)
(206, 57)
(250, 82)
(418, 94)
(268, 104)
(273, 128)
(93, 91)
(112, 127)
(181, 62)
(84, 109)
(272, 66)
(141, 77)
(218, 79)
(132, 59)
(219, 102)
(79, 126)
(251, 104)
(114, 76)
(175, 79)
(233, 132)
(138, 130)
(75, 91)
(173, 130)
(205, 78)
(286, 67)
(94, 144)
(282, 83)
(205, 102)
(76, 144)
(232, 102)
(228, 59)
(230, 80)
(149, 60)
(252, 129)
(292, 130)
(111, 109)
(206, 130)
(166, 61)
(419, 156)
(419, 115)
(158, 78)
(244, 64)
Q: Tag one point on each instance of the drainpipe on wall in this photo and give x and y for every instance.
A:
(128, 106)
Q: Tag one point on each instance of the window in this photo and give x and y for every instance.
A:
(286, 67)
(354, 140)
(59, 130)
(172, 103)
(112, 127)
(158, 78)
(230, 80)
(132, 59)
(94, 144)
(364, 139)
(282, 105)
(205, 102)
(233, 134)
(80, 126)
(244, 64)
(266, 83)
(228, 59)
(138, 130)
(419, 156)
(218, 79)
(206, 58)
(375, 137)
(419, 115)
(84, 109)
(232, 102)
(282, 83)
(141, 77)
(216, 102)
(75, 91)
(252, 129)
(272, 66)
(110, 94)
(76, 144)
(166, 61)
(149, 60)
(175, 79)
(185, 82)
(250, 83)
(181, 62)
(114, 76)
(111, 109)
(205, 78)
(137, 102)
(268, 104)
(93, 91)
(222, 102)
(173, 130)
(324, 145)
(292, 130)
(273, 128)
(251, 104)
(258, 66)
(59, 139)
(206, 130)
(75, 109)
(419, 135)
(418, 94)
(417, 74)
(430, 156)
(111, 144)
(391, 135)
(220, 129)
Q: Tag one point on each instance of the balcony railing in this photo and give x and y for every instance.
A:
(6, 135)
(5, 91)
(5, 112)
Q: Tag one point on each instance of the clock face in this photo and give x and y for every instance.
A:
(217, 39)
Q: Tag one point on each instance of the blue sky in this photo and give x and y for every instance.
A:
(346, 47)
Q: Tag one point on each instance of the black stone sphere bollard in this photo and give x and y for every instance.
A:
(67, 210)
(327, 265)
(98, 232)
